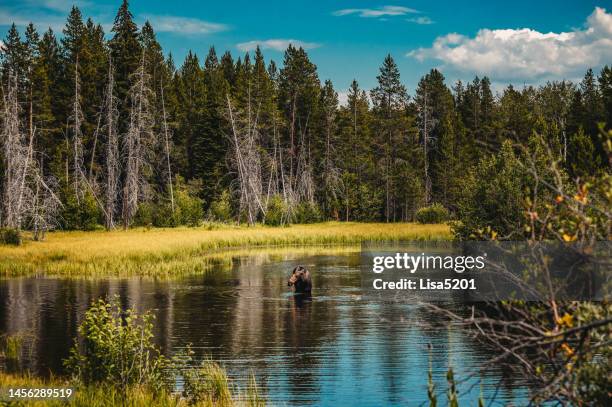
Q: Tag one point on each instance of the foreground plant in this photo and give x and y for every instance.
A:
(116, 347)
(562, 348)
(115, 351)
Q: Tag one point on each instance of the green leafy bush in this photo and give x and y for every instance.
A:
(117, 348)
(80, 214)
(493, 195)
(188, 208)
(435, 213)
(10, 236)
(368, 204)
(307, 212)
(221, 208)
(277, 211)
(145, 215)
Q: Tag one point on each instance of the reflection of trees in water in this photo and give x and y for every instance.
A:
(453, 347)
(49, 311)
(245, 316)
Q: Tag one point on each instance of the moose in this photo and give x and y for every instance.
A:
(300, 280)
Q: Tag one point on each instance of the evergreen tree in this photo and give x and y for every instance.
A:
(605, 86)
(326, 150)
(46, 88)
(298, 87)
(227, 66)
(191, 97)
(592, 112)
(442, 146)
(125, 51)
(14, 59)
(208, 162)
(390, 101)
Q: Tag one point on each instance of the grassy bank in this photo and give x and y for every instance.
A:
(159, 252)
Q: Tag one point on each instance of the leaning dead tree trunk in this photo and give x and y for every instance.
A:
(247, 162)
(111, 184)
(167, 148)
(138, 144)
(45, 206)
(76, 118)
(17, 153)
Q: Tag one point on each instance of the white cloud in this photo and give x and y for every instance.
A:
(183, 25)
(41, 21)
(376, 12)
(526, 54)
(275, 44)
(421, 20)
(343, 97)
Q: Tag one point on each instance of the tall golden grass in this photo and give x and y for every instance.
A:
(159, 252)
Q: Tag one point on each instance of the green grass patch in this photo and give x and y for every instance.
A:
(166, 252)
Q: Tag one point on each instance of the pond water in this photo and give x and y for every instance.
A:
(336, 349)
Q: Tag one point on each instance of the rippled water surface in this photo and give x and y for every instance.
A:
(336, 349)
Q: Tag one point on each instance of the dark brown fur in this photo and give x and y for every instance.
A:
(300, 280)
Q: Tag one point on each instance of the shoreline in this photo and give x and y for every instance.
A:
(175, 251)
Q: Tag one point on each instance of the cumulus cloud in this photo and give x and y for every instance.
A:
(183, 25)
(376, 12)
(275, 44)
(421, 20)
(519, 54)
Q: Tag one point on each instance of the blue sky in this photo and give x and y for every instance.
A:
(518, 41)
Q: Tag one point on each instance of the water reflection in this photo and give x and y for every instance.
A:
(329, 349)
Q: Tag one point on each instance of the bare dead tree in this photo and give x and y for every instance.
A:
(76, 119)
(45, 206)
(246, 161)
(17, 153)
(112, 170)
(26, 195)
(137, 144)
(167, 147)
(91, 176)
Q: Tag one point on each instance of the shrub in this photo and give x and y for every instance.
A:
(83, 214)
(117, 348)
(10, 236)
(492, 195)
(144, 215)
(307, 212)
(187, 208)
(277, 212)
(221, 208)
(435, 213)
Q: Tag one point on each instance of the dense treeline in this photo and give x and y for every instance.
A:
(111, 132)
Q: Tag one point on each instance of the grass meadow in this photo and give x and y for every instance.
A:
(167, 252)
